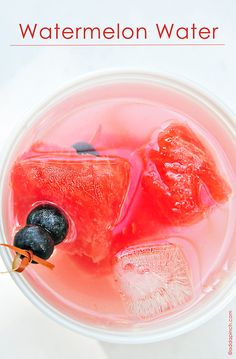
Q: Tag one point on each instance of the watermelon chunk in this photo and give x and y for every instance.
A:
(182, 177)
(91, 190)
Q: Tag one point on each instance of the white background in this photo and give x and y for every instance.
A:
(29, 75)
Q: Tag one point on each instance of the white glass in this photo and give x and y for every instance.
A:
(204, 309)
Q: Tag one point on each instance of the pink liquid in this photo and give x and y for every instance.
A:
(119, 119)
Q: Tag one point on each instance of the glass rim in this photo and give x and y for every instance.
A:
(90, 80)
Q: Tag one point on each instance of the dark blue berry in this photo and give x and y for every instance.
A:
(52, 219)
(36, 239)
(85, 148)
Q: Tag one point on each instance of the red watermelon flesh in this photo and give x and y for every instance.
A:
(182, 177)
(91, 190)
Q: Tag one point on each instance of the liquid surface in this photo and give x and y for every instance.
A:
(144, 263)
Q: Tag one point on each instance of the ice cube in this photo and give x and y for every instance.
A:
(153, 280)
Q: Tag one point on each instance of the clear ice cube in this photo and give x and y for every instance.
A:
(153, 280)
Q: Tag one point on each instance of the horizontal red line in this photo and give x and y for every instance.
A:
(114, 45)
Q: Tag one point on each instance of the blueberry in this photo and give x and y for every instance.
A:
(36, 239)
(85, 148)
(52, 219)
